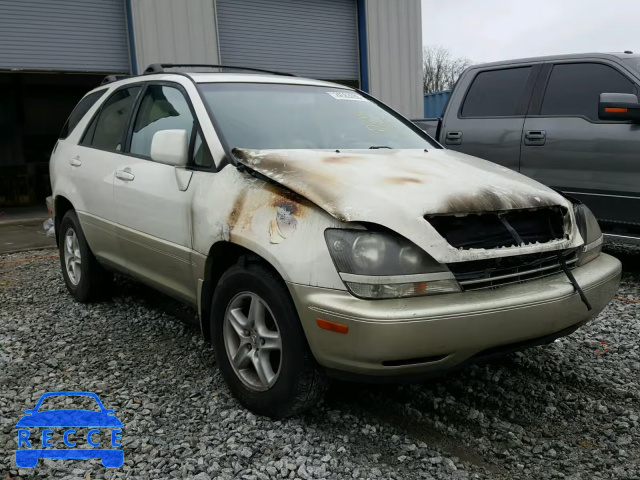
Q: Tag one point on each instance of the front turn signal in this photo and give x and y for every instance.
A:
(332, 326)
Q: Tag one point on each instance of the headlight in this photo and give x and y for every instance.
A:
(368, 252)
(384, 265)
(590, 232)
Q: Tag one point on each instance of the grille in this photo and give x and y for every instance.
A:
(500, 229)
(480, 274)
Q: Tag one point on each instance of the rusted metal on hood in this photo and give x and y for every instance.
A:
(283, 226)
(397, 188)
(286, 206)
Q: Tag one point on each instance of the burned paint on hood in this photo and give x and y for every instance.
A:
(397, 188)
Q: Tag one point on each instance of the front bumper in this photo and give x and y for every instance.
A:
(434, 333)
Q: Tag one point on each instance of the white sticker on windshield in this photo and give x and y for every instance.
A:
(347, 96)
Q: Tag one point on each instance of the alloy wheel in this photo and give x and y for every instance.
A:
(252, 341)
(72, 256)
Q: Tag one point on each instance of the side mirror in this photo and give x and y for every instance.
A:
(29, 411)
(619, 106)
(170, 147)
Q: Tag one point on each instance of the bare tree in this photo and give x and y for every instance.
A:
(441, 69)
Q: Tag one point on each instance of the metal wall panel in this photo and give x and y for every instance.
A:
(174, 31)
(313, 38)
(394, 47)
(64, 35)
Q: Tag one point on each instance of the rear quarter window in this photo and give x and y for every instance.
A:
(80, 111)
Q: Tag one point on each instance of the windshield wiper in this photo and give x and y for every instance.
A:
(376, 147)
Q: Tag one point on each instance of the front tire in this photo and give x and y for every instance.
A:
(84, 277)
(260, 346)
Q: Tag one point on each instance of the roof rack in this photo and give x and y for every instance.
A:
(160, 67)
(113, 78)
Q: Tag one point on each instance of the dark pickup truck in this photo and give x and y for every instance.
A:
(571, 122)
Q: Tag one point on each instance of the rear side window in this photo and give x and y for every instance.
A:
(107, 129)
(161, 108)
(496, 93)
(575, 88)
(80, 111)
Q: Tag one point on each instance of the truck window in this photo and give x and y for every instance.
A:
(496, 93)
(575, 88)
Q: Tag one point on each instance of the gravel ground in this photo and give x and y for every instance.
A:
(568, 410)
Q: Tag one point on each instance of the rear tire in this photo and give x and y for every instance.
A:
(289, 380)
(83, 275)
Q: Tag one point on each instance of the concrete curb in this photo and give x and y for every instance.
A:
(22, 221)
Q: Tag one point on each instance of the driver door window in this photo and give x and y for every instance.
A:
(575, 88)
(162, 108)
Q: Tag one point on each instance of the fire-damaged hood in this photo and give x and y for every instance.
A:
(398, 188)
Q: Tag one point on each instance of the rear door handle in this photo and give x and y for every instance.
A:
(125, 175)
(535, 137)
(453, 138)
(75, 161)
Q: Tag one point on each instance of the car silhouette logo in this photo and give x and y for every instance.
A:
(73, 418)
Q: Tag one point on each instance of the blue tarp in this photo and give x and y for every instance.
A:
(434, 103)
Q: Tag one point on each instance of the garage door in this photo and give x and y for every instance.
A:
(64, 35)
(314, 38)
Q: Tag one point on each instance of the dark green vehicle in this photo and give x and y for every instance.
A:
(571, 122)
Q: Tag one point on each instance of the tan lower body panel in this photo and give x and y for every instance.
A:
(102, 238)
(163, 265)
(453, 327)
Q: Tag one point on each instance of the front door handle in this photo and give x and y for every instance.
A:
(535, 137)
(75, 161)
(453, 138)
(125, 175)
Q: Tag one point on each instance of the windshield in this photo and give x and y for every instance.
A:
(276, 116)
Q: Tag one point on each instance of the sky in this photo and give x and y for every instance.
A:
(491, 30)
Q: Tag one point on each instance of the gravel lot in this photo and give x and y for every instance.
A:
(569, 410)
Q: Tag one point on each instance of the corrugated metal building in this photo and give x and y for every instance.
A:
(53, 51)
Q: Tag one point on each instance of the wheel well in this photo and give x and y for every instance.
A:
(61, 207)
(222, 256)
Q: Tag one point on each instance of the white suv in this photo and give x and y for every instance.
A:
(317, 231)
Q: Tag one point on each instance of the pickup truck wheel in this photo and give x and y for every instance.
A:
(260, 346)
(84, 277)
